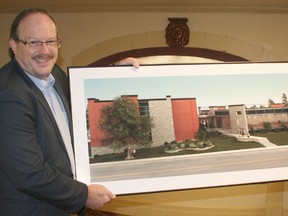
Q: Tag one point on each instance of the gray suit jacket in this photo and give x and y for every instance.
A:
(35, 171)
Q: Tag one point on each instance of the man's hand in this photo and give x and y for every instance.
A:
(129, 61)
(98, 195)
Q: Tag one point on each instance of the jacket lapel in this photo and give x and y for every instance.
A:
(41, 99)
(64, 101)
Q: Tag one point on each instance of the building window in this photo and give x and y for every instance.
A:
(144, 108)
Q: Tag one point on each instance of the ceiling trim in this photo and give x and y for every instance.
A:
(268, 10)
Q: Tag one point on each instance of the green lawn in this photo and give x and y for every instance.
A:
(278, 137)
(222, 143)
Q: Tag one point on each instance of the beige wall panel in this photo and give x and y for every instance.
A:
(261, 37)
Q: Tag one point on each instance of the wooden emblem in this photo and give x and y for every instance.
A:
(177, 32)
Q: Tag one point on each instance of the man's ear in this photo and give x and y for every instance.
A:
(13, 45)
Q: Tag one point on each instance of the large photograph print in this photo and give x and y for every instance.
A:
(174, 127)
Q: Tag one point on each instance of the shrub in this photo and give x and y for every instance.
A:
(181, 145)
(189, 145)
(172, 146)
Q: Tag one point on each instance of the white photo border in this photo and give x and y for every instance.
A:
(77, 75)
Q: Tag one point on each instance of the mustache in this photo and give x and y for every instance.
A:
(43, 56)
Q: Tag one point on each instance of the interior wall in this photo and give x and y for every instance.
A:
(91, 36)
(256, 37)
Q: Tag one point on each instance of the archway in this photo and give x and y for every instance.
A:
(168, 51)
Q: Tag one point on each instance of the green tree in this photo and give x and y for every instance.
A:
(267, 126)
(87, 118)
(270, 102)
(123, 125)
(284, 99)
(202, 134)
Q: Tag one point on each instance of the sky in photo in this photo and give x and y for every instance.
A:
(209, 90)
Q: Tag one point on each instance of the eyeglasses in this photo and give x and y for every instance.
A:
(36, 44)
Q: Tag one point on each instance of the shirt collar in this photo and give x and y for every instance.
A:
(43, 85)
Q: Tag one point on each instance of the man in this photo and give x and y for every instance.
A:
(37, 170)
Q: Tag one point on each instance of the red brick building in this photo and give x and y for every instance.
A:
(174, 119)
(185, 118)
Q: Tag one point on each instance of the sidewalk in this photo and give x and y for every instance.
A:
(262, 140)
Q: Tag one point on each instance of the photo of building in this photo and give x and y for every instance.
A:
(178, 119)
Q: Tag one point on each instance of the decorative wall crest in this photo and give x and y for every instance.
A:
(177, 32)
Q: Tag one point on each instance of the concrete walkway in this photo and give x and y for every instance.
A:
(262, 140)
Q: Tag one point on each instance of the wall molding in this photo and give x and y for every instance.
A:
(154, 9)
